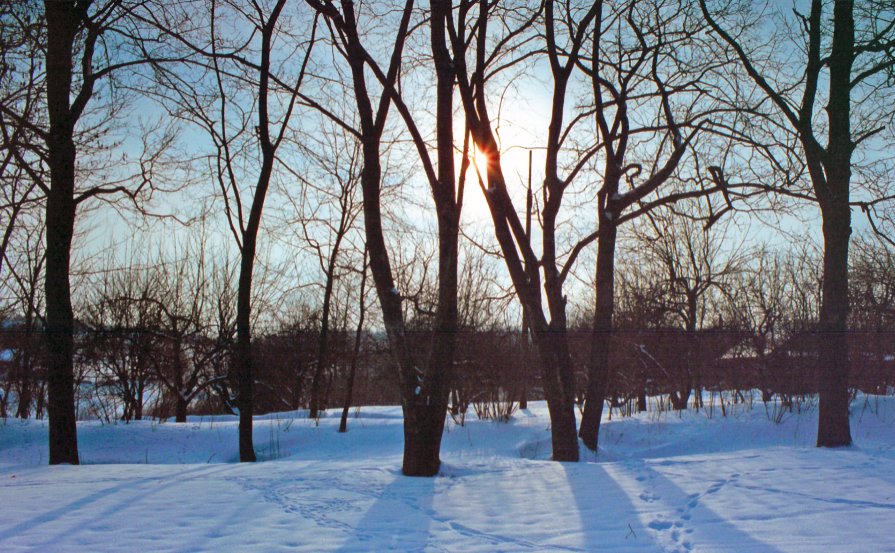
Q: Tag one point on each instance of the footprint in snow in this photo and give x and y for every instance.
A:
(660, 525)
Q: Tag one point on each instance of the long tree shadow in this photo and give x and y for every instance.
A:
(682, 521)
(140, 493)
(608, 518)
(398, 519)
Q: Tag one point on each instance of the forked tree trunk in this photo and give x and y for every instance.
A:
(425, 404)
(245, 373)
(424, 391)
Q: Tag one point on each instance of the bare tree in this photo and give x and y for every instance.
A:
(853, 57)
(26, 258)
(120, 313)
(195, 329)
(80, 65)
(355, 352)
(696, 273)
(424, 384)
(471, 36)
(651, 108)
(243, 70)
(336, 156)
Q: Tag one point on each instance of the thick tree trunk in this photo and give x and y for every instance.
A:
(833, 424)
(423, 428)
(425, 404)
(560, 394)
(833, 420)
(180, 408)
(601, 338)
(62, 24)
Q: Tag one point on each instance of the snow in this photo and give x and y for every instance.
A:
(662, 482)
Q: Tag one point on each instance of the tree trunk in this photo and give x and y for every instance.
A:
(323, 346)
(601, 337)
(243, 351)
(523, 371)
(26, 368)
(425, 404)
(423, 428)
(833, 424)
(349, 391)
(641, 396)
(180, 408)
(560, 395)
(833, 420)
(62, 25)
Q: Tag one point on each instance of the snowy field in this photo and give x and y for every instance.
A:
(662, 482)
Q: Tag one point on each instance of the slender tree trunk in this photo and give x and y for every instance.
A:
(601, 338)
(641, 393)
(62, 25)
(531, 272)
(526, 360)
(323, 345)
(358, 335)
(26, 368)
(243, 351)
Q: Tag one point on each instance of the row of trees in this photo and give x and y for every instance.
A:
(156, 338)
(665, 118)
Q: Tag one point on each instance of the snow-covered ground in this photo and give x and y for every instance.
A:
(662, 482)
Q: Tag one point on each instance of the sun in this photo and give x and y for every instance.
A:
(479, 161)
(519, 130)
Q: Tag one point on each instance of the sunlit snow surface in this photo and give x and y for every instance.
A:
(661, 482)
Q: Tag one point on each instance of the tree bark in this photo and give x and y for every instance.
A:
(601, 337)
(425, 404)
(243, 350)
(62, 25)
(560, 395)
(833, 422)
(180, 408)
